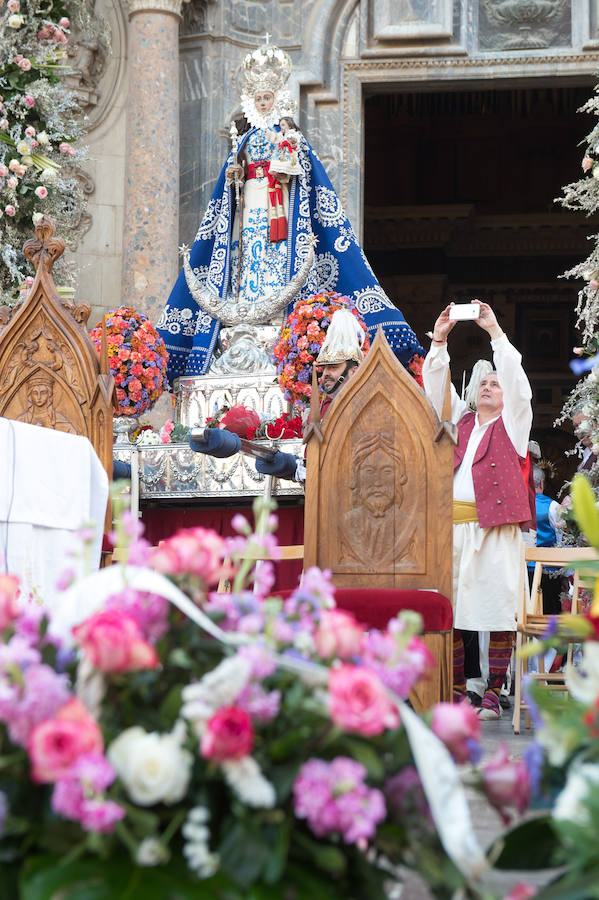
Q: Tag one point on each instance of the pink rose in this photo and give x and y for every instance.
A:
(41, 191)
(55, 744)
(29, 101)
(64, 22)
(64, 148)
(506, 782)
(9, 210)
(339, 634)
(44, 33)
(14, 5)
(593, 284)
(192, 551)
(521, 891)
(9, 609)
(59, 37)
(12, 182)
(458, 726)
(587, 163)
(25, 64)
(3, 170)
(30, 131)
(229, 735)
(113, 642)
(359, 702)
(4, 124)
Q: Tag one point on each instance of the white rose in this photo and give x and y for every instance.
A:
(48, 176)
(582, 782)
(583, 681)
(154, 768)
(151, 853)
(15, 21)
(23, 148)
(42, 138)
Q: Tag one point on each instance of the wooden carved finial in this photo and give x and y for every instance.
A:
(314, 418)
(43, 250)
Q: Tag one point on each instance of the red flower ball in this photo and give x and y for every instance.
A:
(137, 358)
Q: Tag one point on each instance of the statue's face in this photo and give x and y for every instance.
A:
(376, 482)
(40, 394)
(264, 101)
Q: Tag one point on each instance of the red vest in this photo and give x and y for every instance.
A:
(499, 488)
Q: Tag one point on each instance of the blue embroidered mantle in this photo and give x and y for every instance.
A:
(340, 265)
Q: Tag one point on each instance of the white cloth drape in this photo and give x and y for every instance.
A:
(51, 485)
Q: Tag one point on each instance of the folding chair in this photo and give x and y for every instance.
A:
(533, 624)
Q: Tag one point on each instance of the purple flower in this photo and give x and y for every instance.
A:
(579, 366)
(150, 611)
(334, 799)
(534, 757)
(43, 692)
(79, 796)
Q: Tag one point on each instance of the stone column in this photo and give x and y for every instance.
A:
(151, 227)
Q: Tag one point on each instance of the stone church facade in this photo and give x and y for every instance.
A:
(160, 108)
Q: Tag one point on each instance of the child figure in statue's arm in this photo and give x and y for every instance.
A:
(284, 159)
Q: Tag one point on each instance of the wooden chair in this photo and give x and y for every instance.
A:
(533, 624)
(286, 553)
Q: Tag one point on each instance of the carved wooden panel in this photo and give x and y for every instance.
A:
(379, 486)
(50, 372)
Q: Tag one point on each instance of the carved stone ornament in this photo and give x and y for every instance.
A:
(167, 6)
(50, 372)
(524, 24)
(230, 311)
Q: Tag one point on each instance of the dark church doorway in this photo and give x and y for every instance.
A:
(458, 200)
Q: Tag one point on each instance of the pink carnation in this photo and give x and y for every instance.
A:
(358, 701)
(55, 744)
(458, 726)
(113, 642)
(9, 591)
(506, 782)
(339, 634)
(192, 551)
(228, 735)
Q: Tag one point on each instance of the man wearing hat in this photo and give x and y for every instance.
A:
(339, 357)
(491, 498)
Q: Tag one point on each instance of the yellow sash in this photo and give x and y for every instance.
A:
(464, 511)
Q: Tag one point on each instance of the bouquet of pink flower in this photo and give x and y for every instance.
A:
(301, 338)
(215, 745)
(137, 357)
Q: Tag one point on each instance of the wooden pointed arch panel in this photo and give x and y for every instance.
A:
(50, 372)
(379, 483)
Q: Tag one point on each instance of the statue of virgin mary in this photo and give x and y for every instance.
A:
(295, 239)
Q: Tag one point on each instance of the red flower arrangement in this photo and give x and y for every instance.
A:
(286, 427)
(137, 358)
(302, 336)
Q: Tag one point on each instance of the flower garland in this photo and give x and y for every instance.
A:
(137, 358)
(40, 123)
(302, 336)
